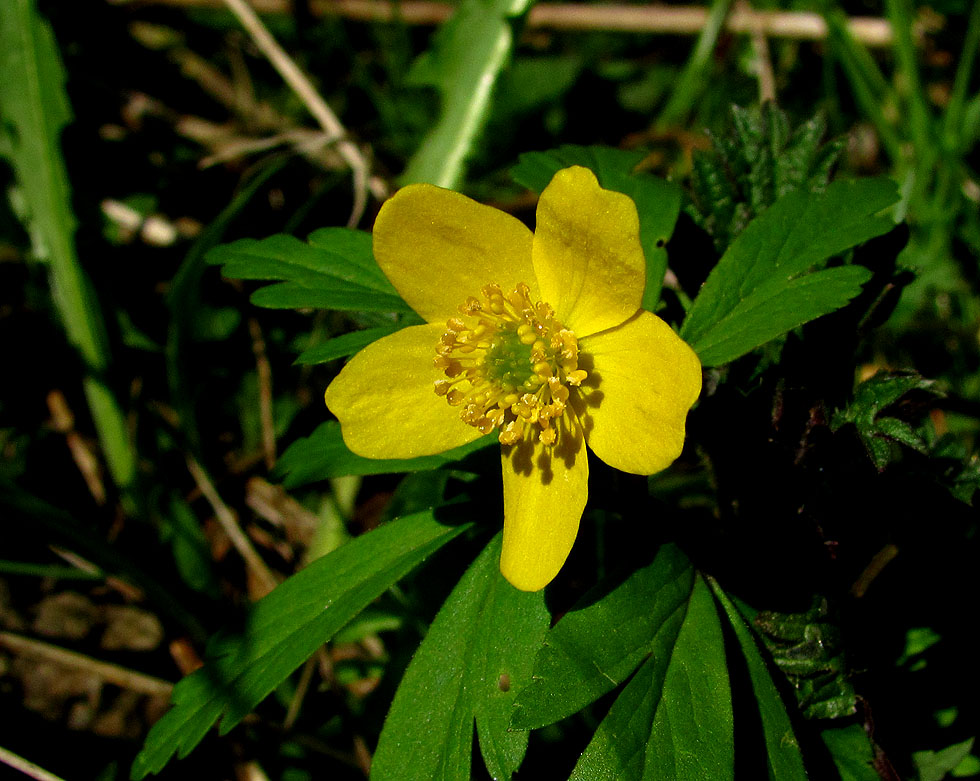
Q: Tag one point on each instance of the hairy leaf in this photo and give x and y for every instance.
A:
(464, 63)
(284, 629)
(473, 662)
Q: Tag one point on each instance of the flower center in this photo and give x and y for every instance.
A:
(509, 364)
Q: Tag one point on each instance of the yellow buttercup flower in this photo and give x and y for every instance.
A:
(539, 337)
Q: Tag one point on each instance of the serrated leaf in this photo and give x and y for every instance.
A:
(343, 346)
(468, 53)
(594, 649)
(900, 431)
(475, 658)
(329, 272)
(783, 748)
(769, 263)
(673, 720)
(323, 455)
(777, 308)
(657, 201)
(284, 629)
(852, 753)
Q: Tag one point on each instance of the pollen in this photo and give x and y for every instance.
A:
(510, 365)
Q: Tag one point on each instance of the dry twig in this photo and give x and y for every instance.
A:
(654, 19)
(264, 371)
(110, 673)
(316, 105)
(28, 768)
(229, 522)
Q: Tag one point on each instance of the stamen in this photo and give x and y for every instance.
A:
(510, 365)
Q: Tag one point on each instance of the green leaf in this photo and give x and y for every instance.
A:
(852, 752)
(323, 455)
(673, 720)
(474, 660)
(692, 734)
(344, 346)
(284, 629)
(333, 270)
(761, 287)
(784, 757)
(658, 201)
(594, 649)
(934, 765)
(464, 63)
(33, 110)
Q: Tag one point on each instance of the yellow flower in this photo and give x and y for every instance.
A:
(539, 337)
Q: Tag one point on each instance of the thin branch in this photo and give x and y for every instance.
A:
(654, 19)
(229, 522)
(26, 767)
(763, 62)
(264, 371)
(315, 104)
(110, 673)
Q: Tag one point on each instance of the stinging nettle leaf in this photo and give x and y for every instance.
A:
(475, 658)
(285, 628)
(323, 455)
(331, 271)
(594, 649)
(764, 285)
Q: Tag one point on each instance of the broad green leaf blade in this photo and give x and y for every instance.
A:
(776, 308)
(798, 232)
(344, 346)
(323, 455)
(594, 649)
(784, 757)
(674, 718)
(692, 736)
(329, 272)
(658, 202)
(852, 753)
(466, 58)
(475, 658)
(285, 628)
(33, 110)
(617, 750)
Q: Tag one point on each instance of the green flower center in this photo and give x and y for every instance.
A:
(509, 365)
(508, 361)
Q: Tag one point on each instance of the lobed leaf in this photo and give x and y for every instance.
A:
(284, 629)
(323, 455)
(474, 660)
(658, 201)
(334, 269)
(344, 345)
(674, 718)
(783, 747)
(764, 285)
(595, 648)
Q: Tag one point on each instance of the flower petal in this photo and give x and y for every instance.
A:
(385, 402)
(643, 379)
(439, 247)
(587, 253)
(544, 496)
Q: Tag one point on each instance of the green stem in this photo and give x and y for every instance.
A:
(692, 80)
